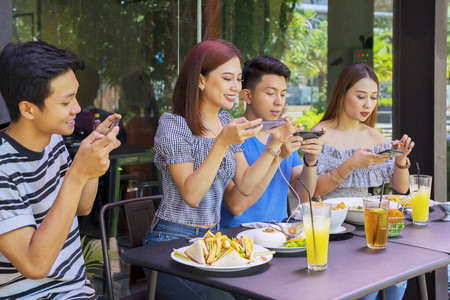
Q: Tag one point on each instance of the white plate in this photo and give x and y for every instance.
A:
(344, 228)
(249, 233)
(258, 261)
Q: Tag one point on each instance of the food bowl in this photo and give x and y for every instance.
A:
(291, 229)
(337, 218)
(355, 213)
(445, 207)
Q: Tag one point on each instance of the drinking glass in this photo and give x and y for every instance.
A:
(376, 222)
(317, 233)
(421, 201)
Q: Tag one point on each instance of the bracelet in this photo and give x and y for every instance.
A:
(310, 166)
(340, 175)
(406, 166)
(332, 177)
(271, 152)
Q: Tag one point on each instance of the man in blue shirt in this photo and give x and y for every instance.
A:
(264, 90)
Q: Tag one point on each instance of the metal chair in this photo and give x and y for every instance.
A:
(139, 214)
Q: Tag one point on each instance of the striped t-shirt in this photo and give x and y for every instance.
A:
(29, 184)
(175, 143)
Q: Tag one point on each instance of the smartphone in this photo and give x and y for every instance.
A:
(391, 152)
(269, 125)
(309, 134)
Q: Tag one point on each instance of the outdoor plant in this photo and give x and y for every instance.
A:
(93, 257)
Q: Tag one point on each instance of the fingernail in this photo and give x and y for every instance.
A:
(401, 142)
(409, 148)
(404, 146)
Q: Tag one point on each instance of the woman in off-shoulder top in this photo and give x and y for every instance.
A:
(348, 163)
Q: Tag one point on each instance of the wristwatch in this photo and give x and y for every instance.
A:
(406, 166)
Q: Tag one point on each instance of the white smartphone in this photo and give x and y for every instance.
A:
(269, 125)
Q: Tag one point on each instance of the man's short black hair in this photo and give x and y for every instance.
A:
(26, 72)
(255, 68)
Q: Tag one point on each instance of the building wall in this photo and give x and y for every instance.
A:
(345, 27)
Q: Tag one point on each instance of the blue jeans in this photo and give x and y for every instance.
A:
(394, 292)
(172, 287)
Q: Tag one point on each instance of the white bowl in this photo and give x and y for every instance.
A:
(337, 218)
(354, 216)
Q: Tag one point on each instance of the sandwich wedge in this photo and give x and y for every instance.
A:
(229, 258)
(197, 251)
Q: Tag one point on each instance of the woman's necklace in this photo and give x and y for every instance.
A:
(218, 129)
(6, 131)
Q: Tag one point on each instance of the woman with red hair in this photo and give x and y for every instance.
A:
(198, 151)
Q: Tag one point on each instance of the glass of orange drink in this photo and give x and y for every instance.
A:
(317, 234)
(421, 201)
(376, 222)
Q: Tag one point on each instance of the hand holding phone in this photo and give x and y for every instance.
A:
(309, 134)
(391, 152)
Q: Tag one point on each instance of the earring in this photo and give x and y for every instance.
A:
(202, 89)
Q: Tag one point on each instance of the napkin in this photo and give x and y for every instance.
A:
(255, 225)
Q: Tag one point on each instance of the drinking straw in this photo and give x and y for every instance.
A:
(312, 220)
(418, 176)
(378, 219)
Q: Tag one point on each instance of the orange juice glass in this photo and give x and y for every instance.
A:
(421, 201)
(317, 234)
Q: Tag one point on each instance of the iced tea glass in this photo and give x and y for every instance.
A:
(376, 222)
(317, 239)
(421, 201)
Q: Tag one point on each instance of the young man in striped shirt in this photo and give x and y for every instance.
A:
(41, 190)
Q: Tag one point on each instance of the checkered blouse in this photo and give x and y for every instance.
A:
(175, 143)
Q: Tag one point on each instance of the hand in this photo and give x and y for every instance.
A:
(291, 145)
(108, 124)
(364, 158)
(311, 148)
(236, 131)
(92, 158)
(406, 145)
(284, 132)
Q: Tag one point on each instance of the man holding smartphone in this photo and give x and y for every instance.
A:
(42, 191)
(264, 90)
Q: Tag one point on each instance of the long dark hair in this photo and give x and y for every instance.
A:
(203, 58)
(346, 79)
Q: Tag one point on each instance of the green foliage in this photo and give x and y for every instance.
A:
(93, 255)
(385, 102)
(236, 111)
(309, 118)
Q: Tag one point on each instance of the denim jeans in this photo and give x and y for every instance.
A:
(394, 292)
(172, 287)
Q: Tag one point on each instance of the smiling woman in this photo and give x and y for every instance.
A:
(198, 152)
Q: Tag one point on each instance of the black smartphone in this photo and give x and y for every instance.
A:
(269, 125)
(309, 134)
(391, 152)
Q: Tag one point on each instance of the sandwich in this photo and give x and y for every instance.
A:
(229, 258)
(198, 251)
(219, 250)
